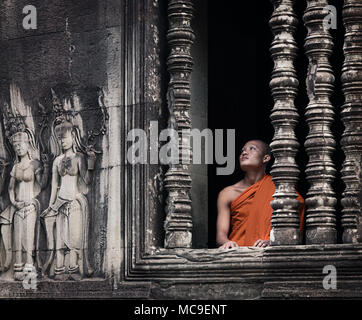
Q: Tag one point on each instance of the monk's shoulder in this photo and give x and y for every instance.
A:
(227, 193)
(224, 192)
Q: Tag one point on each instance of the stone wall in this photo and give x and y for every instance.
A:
(80, 59)
(91, 72)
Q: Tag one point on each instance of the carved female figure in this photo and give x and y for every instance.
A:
(68, 206)
(27, 179)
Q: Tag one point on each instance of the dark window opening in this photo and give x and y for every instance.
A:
(239, 72)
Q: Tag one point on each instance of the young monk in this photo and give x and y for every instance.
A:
(245, 206)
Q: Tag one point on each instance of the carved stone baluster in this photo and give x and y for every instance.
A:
(352, 118)
(320, 144)
(178, 224)
(284, 116)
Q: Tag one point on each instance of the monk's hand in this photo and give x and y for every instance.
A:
(261, 243)
(229, 245)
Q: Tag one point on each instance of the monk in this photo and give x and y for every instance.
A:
(245, 206)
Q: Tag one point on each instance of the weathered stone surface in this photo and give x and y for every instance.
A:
(352, 118)
(284, 116)
(178, 224)
(319, 144)
(348, 289)
(76, 50)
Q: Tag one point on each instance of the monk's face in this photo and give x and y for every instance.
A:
(253, 156)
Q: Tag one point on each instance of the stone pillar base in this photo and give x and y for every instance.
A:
(284, 236)
(178, 239)
(320, 235)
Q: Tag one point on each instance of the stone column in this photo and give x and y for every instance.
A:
(284, 116)
(319, 144)
(178, 224)
(352, 119)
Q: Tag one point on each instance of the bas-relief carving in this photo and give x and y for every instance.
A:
(28, 176)
(64, 218)
(68, 213)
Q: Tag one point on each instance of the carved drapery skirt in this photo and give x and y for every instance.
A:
(70, 226)
(7, 216)
(24, 228)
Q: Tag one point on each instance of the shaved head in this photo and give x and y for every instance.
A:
(265, 147)
(254, 155)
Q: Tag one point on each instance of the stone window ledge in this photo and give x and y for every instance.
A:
(241, 273)
(243, 261)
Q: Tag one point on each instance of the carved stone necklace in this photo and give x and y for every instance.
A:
(23, 167)
(66, 165)
(20, 172)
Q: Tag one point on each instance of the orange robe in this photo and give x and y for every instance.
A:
(251, 213)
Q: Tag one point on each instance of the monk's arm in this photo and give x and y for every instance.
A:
(223, 220)
(301, 211)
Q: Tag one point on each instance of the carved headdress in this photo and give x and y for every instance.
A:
(15, 127)
(67, 118)
(64, 120)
